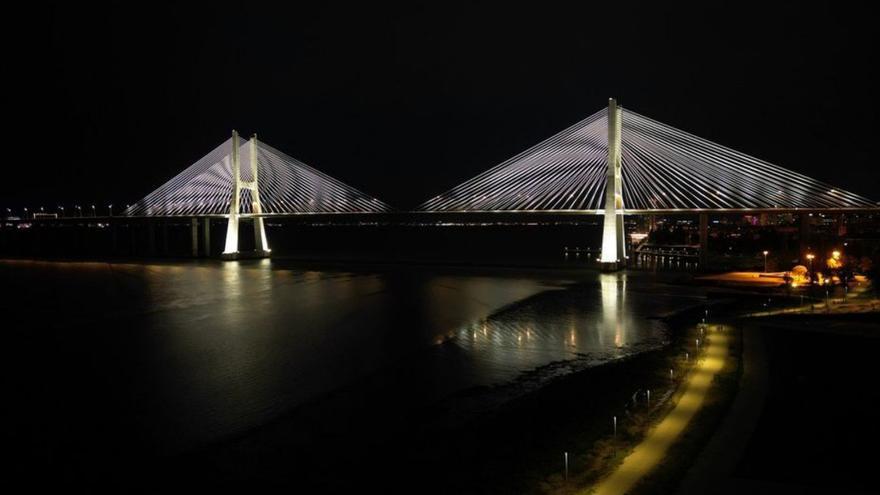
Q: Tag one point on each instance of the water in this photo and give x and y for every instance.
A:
(166, 357)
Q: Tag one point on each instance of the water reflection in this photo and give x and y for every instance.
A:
(613, 288)
(192, 352)
(558, 325)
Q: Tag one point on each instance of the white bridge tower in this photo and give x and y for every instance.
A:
(261, 245)
(613, 245)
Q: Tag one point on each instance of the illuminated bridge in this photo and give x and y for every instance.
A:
(270, 183)
(615, 162)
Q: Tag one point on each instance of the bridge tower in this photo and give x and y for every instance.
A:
(261, 245)
(613, 245)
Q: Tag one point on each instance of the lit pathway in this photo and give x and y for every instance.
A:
(651, 450)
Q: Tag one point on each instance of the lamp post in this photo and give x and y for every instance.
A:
(61, 208)
(94, 211)
(79, 210)
(765, 260)
(110, 208)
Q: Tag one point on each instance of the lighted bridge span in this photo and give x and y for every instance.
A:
(617, 162)
(613, 163)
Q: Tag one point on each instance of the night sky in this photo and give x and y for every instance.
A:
(405, 102)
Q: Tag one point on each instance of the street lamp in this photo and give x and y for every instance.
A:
(62, 211)
(94, 212)
(765, 260)
(79, 210)
(110, 207)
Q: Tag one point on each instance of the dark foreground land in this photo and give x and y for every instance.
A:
(818, 432)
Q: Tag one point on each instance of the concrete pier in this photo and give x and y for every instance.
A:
(704, 241)
(194, 237)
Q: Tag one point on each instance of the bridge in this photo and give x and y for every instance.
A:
(272, 184)
(613, 163)
(617, 162)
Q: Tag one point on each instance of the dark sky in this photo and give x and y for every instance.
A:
(405, 102)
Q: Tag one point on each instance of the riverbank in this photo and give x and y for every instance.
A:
(516, 448)
(652, 455)
(255, 375)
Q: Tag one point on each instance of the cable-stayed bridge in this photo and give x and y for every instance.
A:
(285, 186)
(663, 169)
(615, 162)
(270, 183)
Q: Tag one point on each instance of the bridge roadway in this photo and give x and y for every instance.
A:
(201, 225)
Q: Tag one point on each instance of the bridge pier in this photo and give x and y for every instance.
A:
(804, 234)
(151, 238)
(165, 237)
(132, 237)
(613, 238)
(704, 241)
(194, 237)
(261, 244)
(206, 236)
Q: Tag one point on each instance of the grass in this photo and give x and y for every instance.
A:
(680, 457)
(594, 458)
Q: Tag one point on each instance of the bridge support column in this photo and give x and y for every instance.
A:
(114, 238)
(804, 234)
(132, 235)
(206, 236)
(704, 241)
(194, 237)
(261, 244)
(165, 237)
(613, 245)
(151, 238)
(231, 252)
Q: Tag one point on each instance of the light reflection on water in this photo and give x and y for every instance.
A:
(190, 352)
(561, 324)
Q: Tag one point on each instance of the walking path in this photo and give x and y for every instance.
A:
(719, 458)
(647, 454)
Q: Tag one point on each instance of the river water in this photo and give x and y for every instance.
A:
(172, 356)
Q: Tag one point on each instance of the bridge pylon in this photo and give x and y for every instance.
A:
(613, 245)
(261, 244)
